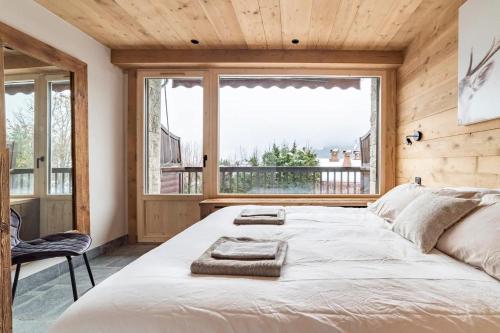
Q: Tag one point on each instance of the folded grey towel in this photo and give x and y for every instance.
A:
(244, 218)
(246, 249)
(205, 264)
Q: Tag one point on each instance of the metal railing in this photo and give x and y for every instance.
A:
(271, 180)
(22, 181)
(61, 181)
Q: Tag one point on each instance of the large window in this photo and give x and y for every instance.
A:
(173, 127)
(20, 107)
(298, 134)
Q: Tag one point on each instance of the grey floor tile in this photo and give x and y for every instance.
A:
(30, 326)
(35, 310)
(26, 297)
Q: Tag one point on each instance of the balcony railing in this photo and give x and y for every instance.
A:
(271, 180)
(22, 181)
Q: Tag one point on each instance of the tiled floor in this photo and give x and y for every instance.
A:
(35, 310)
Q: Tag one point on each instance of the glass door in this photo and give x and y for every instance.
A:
(171, 171)
(173, 135)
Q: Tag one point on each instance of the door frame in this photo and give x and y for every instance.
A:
(81, 213)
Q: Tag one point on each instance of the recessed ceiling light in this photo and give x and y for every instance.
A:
(195, 41)
(295, 41)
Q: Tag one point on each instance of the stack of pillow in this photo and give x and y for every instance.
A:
(463, 223)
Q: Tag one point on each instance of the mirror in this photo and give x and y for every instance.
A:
(39, 138)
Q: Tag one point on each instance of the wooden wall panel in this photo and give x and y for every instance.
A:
(449, 154)
(165, 219)
(56, 214)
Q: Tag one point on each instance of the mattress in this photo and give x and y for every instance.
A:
(345, 271)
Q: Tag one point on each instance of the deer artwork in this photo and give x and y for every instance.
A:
(474, 79)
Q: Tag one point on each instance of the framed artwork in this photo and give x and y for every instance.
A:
(479, 61)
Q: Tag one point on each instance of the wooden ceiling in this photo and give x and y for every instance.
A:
(250, 24)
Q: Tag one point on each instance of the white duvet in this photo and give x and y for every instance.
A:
(345, 272)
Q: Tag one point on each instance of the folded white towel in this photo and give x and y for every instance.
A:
(261, 216)
(273, 212)
(246, 249)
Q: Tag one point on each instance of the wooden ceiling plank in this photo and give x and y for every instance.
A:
(399, 14)
(222, 16)
(323, 17)
(270, 13)
(252, 24)
(296, 22)
(181, 28)
(343, 22)
(15, 61)
(92, 24)
(369, 17)
(189, 16)
(122, 23)
(250, 19)
(147, 16)
(422, 17)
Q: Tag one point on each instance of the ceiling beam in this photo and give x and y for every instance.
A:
(249, 58)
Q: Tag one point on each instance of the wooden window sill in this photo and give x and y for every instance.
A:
(211, 205)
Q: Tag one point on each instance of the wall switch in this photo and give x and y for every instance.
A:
(418, 180)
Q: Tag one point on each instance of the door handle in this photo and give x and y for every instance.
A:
(38, 160)
(205, 158)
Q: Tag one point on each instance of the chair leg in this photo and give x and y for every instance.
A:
(88, 269)
(72, 275)
(16, 278)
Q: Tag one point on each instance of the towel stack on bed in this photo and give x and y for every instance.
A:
(261, 216)
(242, 256)
(246, 256)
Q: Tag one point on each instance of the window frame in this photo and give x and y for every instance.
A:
(211, 75)
(151, 213)
(385, 164)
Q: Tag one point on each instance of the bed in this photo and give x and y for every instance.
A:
(346, 271)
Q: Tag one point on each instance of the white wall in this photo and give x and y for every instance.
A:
(106, 112)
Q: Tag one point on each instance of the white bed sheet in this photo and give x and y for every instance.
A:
(345, 272)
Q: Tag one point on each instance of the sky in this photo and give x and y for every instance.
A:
(255, 118)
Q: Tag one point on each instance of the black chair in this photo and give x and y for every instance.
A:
(64, 244)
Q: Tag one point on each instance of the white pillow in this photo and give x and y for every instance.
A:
(465, 192)
(476, 239)
(428, 216)
(393, 202)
